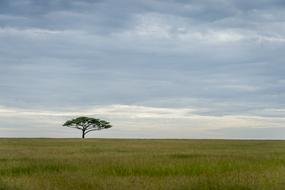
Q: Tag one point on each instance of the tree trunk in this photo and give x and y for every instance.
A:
(83, 134)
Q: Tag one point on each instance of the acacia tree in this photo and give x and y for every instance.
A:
(87, 124)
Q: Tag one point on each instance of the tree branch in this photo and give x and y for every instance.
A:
(92, 130)
(86, 124)
(75, 127)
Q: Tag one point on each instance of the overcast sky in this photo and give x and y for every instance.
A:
(155, 69)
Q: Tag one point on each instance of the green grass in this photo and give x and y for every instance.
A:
(75, 164)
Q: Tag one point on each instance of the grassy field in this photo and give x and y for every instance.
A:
(75, 164)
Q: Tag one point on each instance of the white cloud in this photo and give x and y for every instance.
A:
(129, 119)
(159, 30)
(29, 32)
(223, 60)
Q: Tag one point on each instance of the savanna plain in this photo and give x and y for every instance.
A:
(80, 164)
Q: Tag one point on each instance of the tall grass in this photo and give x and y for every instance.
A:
(67, 164)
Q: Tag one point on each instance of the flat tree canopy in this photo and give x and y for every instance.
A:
(87, 124)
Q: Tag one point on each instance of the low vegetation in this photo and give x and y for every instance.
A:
(67, 164)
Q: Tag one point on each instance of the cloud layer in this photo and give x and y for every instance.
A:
(217, 64)
(142, 122)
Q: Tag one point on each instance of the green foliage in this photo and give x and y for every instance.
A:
(64, 164)
(87, 124)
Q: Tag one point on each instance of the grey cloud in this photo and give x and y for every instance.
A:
(221, 58)
(251, 133)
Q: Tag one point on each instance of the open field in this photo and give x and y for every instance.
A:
(75, 164)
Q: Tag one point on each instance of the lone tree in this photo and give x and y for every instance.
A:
(87, 124)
